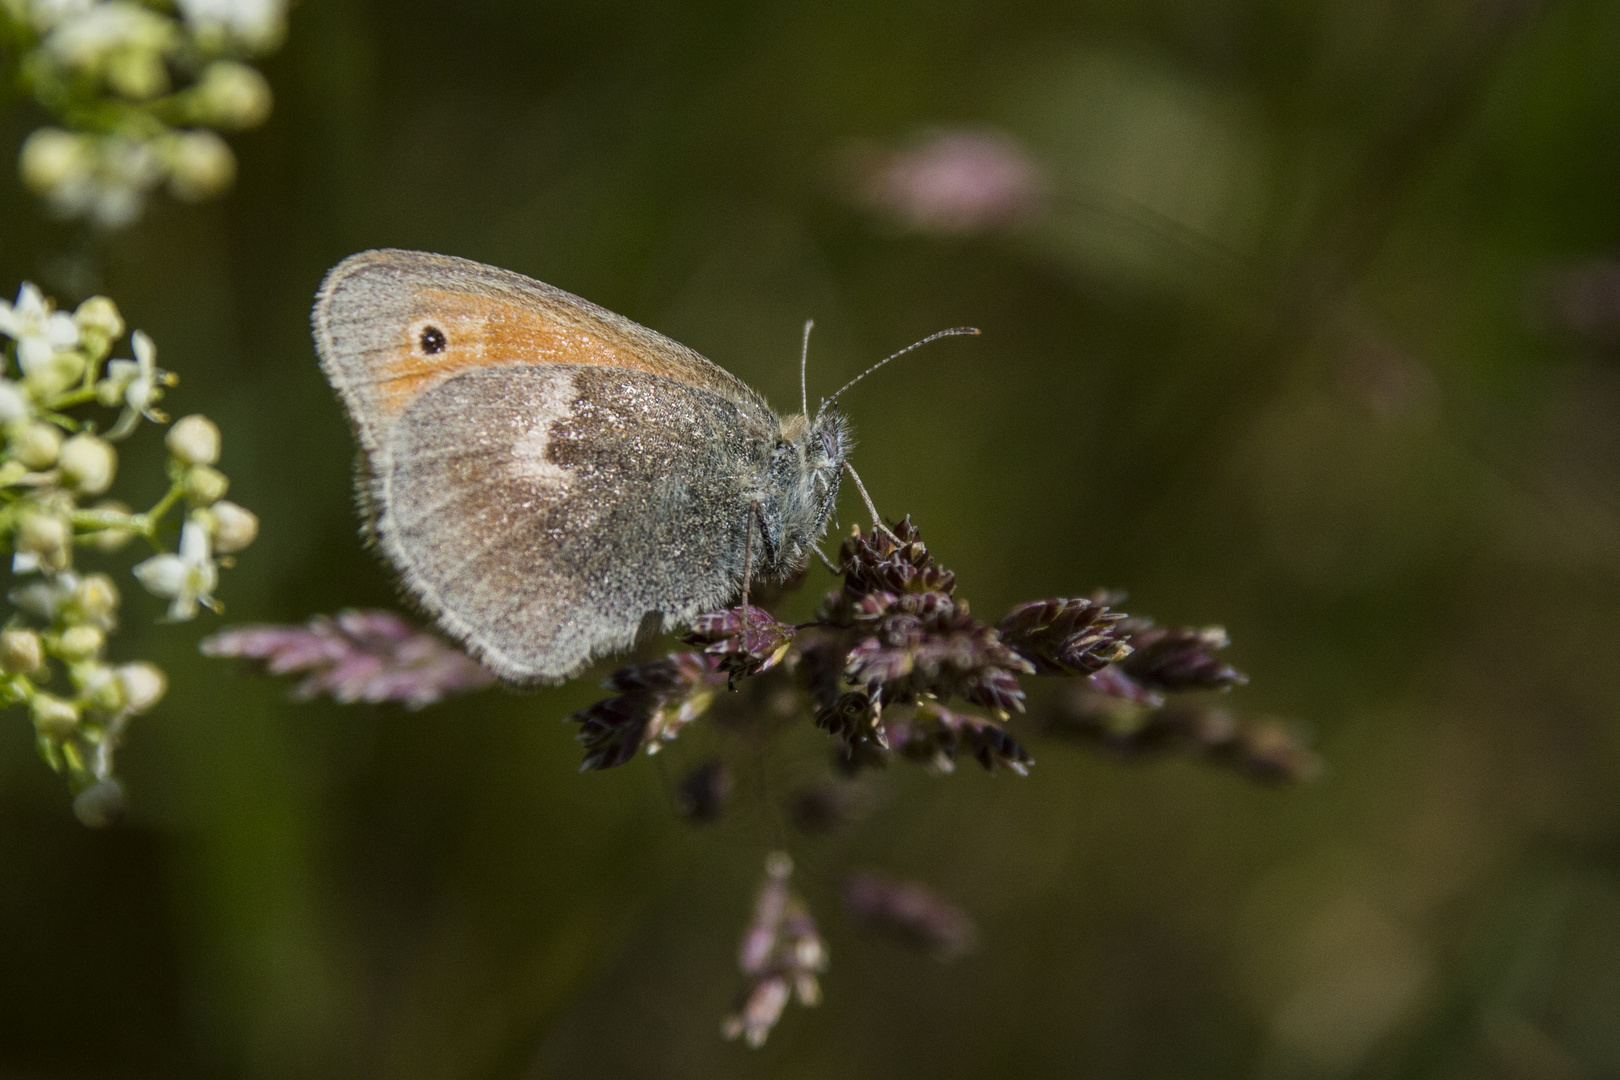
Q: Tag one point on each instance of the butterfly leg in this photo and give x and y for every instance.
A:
(822, 555)
(754, 513)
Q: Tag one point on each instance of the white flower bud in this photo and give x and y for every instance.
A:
(232, 96)
(13, 402)
(143, 685)
(233, 527)
(95, 597)
(98, 687)
(37, 445)
(80, 643)
(88, 464)
(194, 440)
(53, 717)
(98, 33)
(42, 543)
(41, 599)
(99, 805)
(127, 168)
(256, 25)
(204, 485)
(99, 316)
(21, 651)
(55, 375)
(110, 540)
(201, 165)
(137, 74)
(53, 159)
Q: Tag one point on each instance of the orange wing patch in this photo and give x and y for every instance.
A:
(459, 331)
(390, 325)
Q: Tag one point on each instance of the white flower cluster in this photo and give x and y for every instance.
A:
(52, 463)
(106, 69)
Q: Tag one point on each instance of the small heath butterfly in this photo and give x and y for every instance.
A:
(549, 477)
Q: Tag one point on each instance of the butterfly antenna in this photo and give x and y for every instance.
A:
(955, 331)
(804, 360)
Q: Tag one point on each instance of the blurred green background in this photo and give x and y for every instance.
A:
(1314, 334)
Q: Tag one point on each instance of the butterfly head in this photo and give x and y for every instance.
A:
(805, 466)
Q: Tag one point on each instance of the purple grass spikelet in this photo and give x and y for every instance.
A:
(357, 655)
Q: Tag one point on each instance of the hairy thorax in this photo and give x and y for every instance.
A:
(797, 489)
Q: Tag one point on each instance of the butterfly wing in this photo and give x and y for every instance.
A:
(392, 324)
(541, 513)
(542, 472)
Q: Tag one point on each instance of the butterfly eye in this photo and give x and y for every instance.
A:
(827, 443)
(433, 340)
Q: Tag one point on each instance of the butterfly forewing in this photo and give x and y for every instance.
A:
(391, 324)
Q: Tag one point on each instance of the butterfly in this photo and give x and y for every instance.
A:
(550, 479)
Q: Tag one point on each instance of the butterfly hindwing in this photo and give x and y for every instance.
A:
(541, 512)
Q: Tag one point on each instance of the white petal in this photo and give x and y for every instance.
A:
(194, 543)
(162, 575)
(205, 579)
(30, 303)
(145, 351)
(139, 394)
(61, 330)
(33, 353)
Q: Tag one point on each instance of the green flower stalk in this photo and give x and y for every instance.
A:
(55, 376)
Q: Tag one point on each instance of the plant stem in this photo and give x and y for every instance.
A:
(155, 515)
(146, 524)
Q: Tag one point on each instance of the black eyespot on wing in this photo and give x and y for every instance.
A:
(433, 340)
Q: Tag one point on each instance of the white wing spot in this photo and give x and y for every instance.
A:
(555, 403)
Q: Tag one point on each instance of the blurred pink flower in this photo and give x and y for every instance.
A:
(780, 955)
(1581, 298)
(948, 182)
(1392, 382)
(358, 656)
(911, 912)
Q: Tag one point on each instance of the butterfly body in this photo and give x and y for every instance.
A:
(547, 476)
